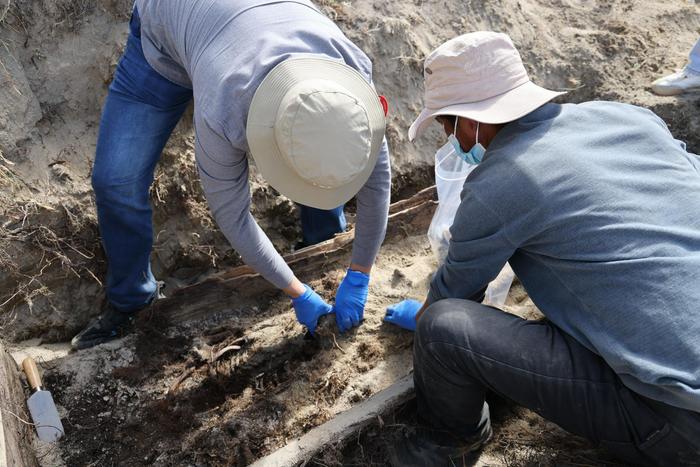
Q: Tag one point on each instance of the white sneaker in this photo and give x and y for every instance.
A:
(677, 83)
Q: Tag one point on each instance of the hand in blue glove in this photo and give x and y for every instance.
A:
(403, 314)
(350, 300)
(309, 306)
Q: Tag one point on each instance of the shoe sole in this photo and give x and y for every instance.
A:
(663, 91)
(469, 456)
(77, 344)
(82, 345)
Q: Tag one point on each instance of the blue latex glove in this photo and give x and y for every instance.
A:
(309, 307)
(350, 300)
(403, 314)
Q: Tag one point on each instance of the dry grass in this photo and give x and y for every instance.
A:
(4, 11)
(65, 248)
(72, 13)
(9, 181)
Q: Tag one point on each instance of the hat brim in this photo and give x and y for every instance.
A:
(503, 108)
(260, 129)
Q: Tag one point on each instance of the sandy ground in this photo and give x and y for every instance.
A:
(56, 61)
(161, 396)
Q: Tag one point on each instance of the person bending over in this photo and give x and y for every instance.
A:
(277, 80)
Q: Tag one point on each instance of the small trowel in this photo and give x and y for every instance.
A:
(41, 406)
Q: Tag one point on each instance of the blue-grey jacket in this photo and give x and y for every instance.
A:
(597, 208)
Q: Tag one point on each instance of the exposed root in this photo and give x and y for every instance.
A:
(4, 11)
(46, 245)
(331, 334)
(229, 348)
(19, 419)
(180, 379)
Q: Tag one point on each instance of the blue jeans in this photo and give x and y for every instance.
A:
(140, 113)
(694, 58)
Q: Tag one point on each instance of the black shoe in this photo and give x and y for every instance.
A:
(111, 325)
(421, 450)
(299, 246)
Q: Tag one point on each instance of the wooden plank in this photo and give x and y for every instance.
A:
(426, 194)
(423, 199)
(343, 426)
(241, 284)
(16, 434)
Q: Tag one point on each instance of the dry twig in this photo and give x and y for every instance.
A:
(215, 357)
(17, 417)
(3, 13)
(180, 379)
(332, 336)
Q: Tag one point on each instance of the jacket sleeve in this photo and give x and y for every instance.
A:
(372, 211)
(479, 248)
(224, 174)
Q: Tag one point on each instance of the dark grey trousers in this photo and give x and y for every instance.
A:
(463, 349)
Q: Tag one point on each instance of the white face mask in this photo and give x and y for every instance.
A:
(475, 155)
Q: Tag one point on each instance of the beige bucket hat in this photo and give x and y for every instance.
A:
(315, 128)
(478, 76)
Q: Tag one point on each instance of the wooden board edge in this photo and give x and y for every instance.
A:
(16, 435)
(196, 300)
(341, 427)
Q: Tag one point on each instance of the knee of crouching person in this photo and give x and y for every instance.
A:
(437, 317)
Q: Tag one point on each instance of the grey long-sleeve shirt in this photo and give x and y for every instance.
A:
(597, 208)
(222, 50)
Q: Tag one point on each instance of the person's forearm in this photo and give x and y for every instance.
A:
(294, 289)
(229, 203)
(358, 267)
(422, 310)
(228, 193)
(372, 213)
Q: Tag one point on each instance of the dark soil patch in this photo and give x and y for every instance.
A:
(169, 401)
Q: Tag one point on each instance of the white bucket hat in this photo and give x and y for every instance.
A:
(315, 128)
(478, 76)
